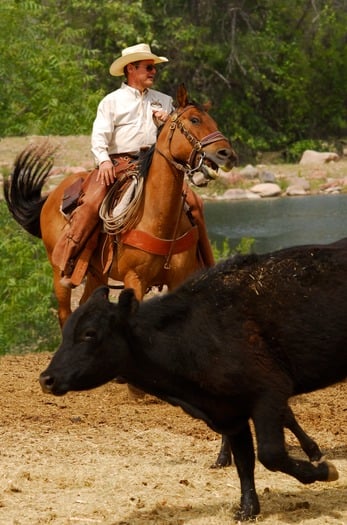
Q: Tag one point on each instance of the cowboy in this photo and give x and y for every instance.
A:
(126, 123)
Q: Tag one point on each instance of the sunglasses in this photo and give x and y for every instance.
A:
(149, 67)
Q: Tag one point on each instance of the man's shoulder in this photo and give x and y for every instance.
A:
(160, 100)
(154, 93)
(113, 95)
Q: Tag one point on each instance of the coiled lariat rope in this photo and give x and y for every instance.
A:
(119, 209)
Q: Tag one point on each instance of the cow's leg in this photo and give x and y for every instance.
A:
(224, 458)
(308, 445)
(269, 419)
(243, 451)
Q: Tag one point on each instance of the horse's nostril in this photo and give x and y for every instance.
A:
(226, 154)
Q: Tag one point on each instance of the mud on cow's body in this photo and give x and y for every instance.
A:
(232, 344)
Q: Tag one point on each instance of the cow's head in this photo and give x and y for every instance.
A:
(94, 346)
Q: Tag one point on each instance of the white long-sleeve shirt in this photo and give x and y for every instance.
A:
(124, 121)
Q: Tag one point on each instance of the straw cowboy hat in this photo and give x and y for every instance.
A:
(133, 54)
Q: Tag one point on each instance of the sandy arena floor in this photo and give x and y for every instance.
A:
(100, 457)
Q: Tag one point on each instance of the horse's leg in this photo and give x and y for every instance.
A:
(63, 296)
(94, 279)
(196, 206)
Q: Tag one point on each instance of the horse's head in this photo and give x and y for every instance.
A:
(191, 142)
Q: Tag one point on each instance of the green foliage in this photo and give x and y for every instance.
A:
(275, 72)
(244, 247)
(294, 151)
(28, 320)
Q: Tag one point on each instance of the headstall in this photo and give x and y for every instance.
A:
(197, 145)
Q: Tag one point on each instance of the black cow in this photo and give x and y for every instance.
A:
(232, 344)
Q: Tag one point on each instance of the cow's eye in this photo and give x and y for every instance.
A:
(89, 334)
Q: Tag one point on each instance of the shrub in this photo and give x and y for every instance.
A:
(295, 150)
(28, 320)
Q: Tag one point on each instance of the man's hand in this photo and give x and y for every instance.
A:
(107, 174)
(160, 116)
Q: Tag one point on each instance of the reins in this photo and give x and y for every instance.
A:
(174, 237)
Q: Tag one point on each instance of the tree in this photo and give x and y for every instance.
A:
(274, 71)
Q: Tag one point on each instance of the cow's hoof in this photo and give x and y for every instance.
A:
(333, 474)
(222, 462)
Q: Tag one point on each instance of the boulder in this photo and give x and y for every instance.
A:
(317, 157)
(295, 191)
(249, 172)
(237, 194)
(266, 189)
(267, 176)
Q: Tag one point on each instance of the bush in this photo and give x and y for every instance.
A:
(243, 248)
(293, 153)
(28, 320)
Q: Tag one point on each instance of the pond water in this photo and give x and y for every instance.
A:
(278, 222)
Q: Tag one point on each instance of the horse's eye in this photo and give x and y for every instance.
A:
(195, 120)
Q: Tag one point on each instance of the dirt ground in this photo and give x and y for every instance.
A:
(101, 457)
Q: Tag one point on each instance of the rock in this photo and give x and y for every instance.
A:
(230, 177)
(249, 172)
(317, 157)
(295, 191)
(333, 190)
(266, 189)
(237, 194)
(300, 182)
(267, 176)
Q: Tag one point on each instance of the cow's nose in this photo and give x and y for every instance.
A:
(46, 382)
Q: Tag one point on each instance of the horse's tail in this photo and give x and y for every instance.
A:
(22, 190)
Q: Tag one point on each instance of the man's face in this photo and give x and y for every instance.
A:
(141, 74)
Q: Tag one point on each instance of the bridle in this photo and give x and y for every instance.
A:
(189, 167)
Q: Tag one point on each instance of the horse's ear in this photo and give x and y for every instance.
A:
(182, 96)
(207, 106)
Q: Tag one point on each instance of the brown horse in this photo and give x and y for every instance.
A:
(188, 141)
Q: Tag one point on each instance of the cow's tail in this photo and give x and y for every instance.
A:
(22, 189)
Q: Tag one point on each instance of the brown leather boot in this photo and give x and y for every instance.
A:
(82, 223)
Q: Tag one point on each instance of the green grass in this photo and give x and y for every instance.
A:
(28, 319)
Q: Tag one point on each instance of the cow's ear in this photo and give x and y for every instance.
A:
(128, 304)
(101, 293)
